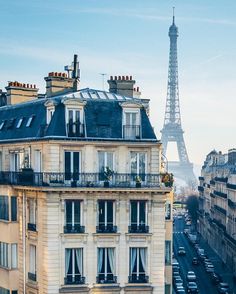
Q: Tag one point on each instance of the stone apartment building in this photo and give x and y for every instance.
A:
(217, 204)
(82, 205)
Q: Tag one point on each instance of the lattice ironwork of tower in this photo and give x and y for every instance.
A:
(172, 130)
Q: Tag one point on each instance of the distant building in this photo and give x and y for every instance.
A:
(217, 204)
(82, 205)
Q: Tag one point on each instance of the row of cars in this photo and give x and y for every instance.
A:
(178, 282)
(202, 258)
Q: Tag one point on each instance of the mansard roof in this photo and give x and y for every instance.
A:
(102, 118)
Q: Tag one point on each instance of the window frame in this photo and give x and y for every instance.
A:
(138, 213)
(106, 261)
(74, 262)
(73, 212)
(138, 257)
(4, 208)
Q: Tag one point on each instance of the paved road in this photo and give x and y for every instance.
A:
(203, 280)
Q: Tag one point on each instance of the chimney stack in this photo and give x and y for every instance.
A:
(58, 83)
(122, 85)
(19, 92)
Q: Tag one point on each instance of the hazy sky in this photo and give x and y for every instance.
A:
(130, 37)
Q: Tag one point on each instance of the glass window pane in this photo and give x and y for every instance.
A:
(76, 165)
(101, 161)
(127, 118)
(32, 211)
(14, 208)
(70, 115)
(134, 215)
(4, 208)
(77, 212)
(133, 119)
(32, 259)
(110, 212)
(14, 258)
(67, 165)
(77, 116)
(133, 162)
(142, 163)
(101, 216)
(142, 212)
(68, 212)
(110, 160)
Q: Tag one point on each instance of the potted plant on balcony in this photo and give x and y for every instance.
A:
(167, 179)
(108, 173)
(138, 181)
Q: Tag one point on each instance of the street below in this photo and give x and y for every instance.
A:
(204, 283)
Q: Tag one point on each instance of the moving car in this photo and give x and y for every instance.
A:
(195, 261)
(191, 277)
(192, 287)
(181, 251)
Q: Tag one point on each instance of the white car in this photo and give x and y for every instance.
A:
(191, 277)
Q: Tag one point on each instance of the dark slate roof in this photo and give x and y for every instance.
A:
(103, 120)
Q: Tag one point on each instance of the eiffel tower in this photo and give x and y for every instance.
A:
(172, 130)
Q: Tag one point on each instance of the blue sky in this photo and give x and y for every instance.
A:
(131, 38)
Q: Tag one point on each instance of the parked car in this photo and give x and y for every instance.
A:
(180, 291)
(209, 268)
(223, 287)
(195, 261)
(178, 288)
(192, 287)
(175, 274)
(178, 279)
(191, 277)
(181, 251)
(178, 285)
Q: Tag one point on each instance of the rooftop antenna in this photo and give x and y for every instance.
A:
(173, 15)
(103, 79)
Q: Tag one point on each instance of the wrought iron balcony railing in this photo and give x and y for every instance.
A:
(32, 277)
(141, 278)
(31, 227)
(106, 279)
(109, 228)
(74, 229)
(220, 194)
(75, 129)
(75, 279)
(231, 186)
(138, 228)
(131, 132)
(55, 179)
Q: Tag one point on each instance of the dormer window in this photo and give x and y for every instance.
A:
(74, 112)
(131, 121)
(50, 105)
(74, 124)
(2, 125)
(29, 122)
(19, 123)
(50, 112)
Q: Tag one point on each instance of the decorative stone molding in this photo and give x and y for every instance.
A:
(143, 238)
(106, 238)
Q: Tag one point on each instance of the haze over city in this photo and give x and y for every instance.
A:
(131, 38)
